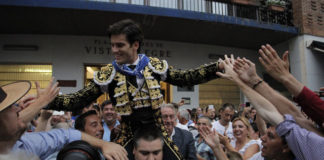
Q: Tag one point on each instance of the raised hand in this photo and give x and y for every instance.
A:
(223, 139)
(246, 71)
(228, 64)
(43, 98)
(46, 114)
(278, 68)
(210, 137)
(26, 101)
(49, 93)
(181, 103)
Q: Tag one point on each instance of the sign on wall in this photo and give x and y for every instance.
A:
(150, 48)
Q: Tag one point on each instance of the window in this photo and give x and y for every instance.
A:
(218, 92)
(16, 72)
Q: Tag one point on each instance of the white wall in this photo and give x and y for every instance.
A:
(306, 65)
(68, 54)
(189, 55)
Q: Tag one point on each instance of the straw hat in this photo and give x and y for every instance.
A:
(12, 92)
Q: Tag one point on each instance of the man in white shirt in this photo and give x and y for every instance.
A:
(224, 124)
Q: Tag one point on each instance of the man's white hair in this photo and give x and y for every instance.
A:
(169, 105)
(185, 114)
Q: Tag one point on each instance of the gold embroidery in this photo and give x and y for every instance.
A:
(158, 66)
(105, 75)
(123, 107)
(66, 101)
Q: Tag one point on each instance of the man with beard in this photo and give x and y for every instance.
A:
(109, 117)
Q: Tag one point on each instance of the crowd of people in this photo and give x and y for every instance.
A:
(135, 123)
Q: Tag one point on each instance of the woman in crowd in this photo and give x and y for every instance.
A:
(243, 142)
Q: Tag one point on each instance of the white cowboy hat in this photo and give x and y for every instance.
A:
(12, 92)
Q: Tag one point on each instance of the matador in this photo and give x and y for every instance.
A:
(132, 82)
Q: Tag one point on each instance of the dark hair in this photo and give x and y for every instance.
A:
(147, 133)
(131, 29)
(227, 105)
(254, 127)
(205, 117)
(79, 111)
(80, 121)
(80, 150)
(104, 103)
(193, 115)
(96, 107)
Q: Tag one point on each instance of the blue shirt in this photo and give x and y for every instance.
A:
(43, 144)
(107, 131)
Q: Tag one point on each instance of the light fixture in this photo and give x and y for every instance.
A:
(315, 45)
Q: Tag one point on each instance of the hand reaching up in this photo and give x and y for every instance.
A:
(213, 141)
(228, 64)
(210, 137)
(246, 71)
(45, 96)
(276, 67)
(46, 114)
(26, 101)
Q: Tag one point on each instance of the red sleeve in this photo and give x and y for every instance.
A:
(311, 104)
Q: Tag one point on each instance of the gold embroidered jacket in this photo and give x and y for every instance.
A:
(126, 97)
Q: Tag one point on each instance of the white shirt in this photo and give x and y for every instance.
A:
(172, 134)
(221, 129)
(179, 125)
(246, 146)
(139, 82)
(257, 156)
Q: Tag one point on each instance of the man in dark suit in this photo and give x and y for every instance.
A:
(182, 138)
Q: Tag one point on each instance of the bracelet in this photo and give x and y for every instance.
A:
(254, 86)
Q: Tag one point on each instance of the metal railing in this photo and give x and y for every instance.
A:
(260, 12)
